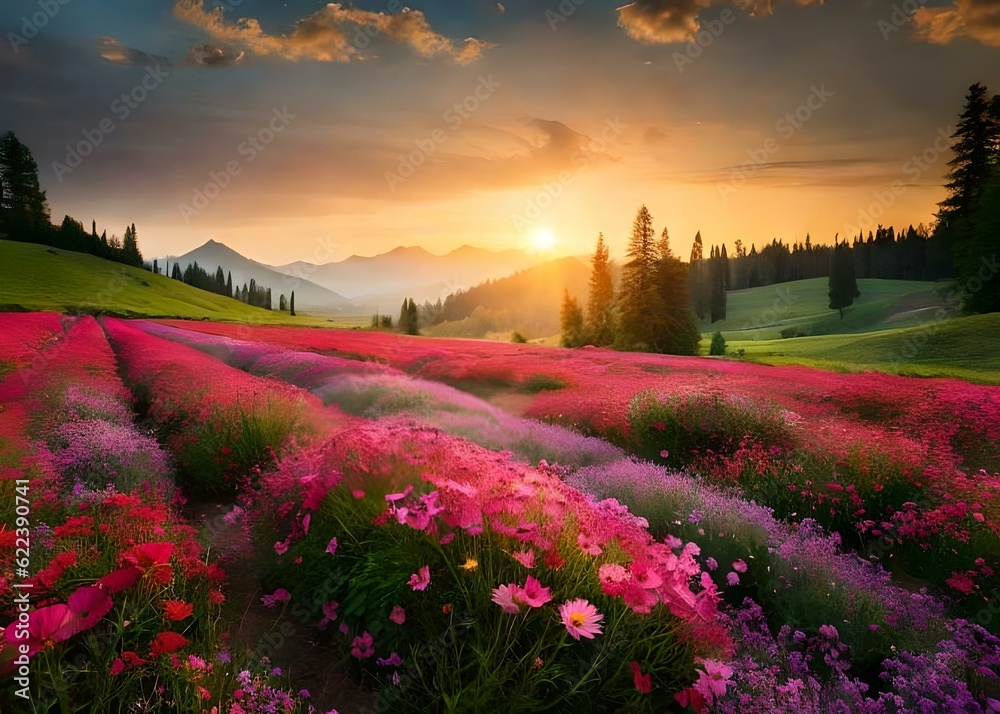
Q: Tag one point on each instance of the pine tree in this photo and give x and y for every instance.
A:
(639, 298)
(229, 284)
(720, 283)
(24, 211)
(176, 275)
(843, 284)
(291, 304)
(220, 281)
(976, 258)
(572, 321)
(976, 139)
(698, 249)
(412, 318)
(282, 303)
(403, 312)
(601, 303)
(675, 326)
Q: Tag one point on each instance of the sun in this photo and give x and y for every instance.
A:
(544, 240)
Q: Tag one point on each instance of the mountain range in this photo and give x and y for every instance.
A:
(361, 285)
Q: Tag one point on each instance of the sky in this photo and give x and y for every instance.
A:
(301, 130)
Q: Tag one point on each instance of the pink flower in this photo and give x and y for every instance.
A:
(961, 582)
(329, 613)
(979, 517)
(398, 615)
(358, 494)
(421, 579)
(279, 595)
(588, 546)
(117, 667)
(525, 558)
(533, 594)
(739, 566)
(504, 597)
(281, 547)
(393, 497)
(732, 579)
(331, 547)
(580, 618)
(363, 646)
(829, 631)
(712, 681)
(393, 660)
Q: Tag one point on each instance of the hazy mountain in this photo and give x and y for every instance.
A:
(384, 280)
(309, 297)
(528, 301)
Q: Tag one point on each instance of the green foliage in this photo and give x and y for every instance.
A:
(601, 301)
(572, 322)
(843, 284)
(463, 652)
(236, 442)
(684, 427)
(976, 264)
(518, 339)
(542, 383)
(718, 348)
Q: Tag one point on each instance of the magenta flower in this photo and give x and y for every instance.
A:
(581, 618)
(393, 660)
(588, 546)
(279, 595)
(504, 597)
(331, 547)
(732, 579)
(533, 594)
(363, 646)
(420, 579)
(740, 566)
(398, 615)
(281, 547)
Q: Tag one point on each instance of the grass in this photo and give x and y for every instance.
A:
(39, 278)
(963, 347)
(800, 307)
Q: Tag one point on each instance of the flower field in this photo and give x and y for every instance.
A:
(432, 525)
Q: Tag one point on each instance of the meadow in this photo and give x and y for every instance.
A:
(225, 518)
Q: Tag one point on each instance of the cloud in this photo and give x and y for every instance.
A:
(212, 56)
(114, 51)
(660, 22)
(333, 34)
(977, 19)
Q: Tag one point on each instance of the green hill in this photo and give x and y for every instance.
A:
(37, 277)
(963, 347)
(800, 308)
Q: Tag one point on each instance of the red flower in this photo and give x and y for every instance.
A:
(74, 527)
(176, 610)
(643, 682)
(88, 605)
(153, 559)
(120, 579)
(165, 643)
(48, 577)
(132, 659)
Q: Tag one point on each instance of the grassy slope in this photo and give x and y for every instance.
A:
(762, 313)
(963, 347)
(36, 277)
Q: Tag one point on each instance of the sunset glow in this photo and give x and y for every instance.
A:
(343, 126)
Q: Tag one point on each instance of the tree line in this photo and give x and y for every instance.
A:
(25, 214)
(25, 217)
(650, 311)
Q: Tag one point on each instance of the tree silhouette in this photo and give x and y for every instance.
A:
(601, 303)
(571, 317)
(843, 284)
